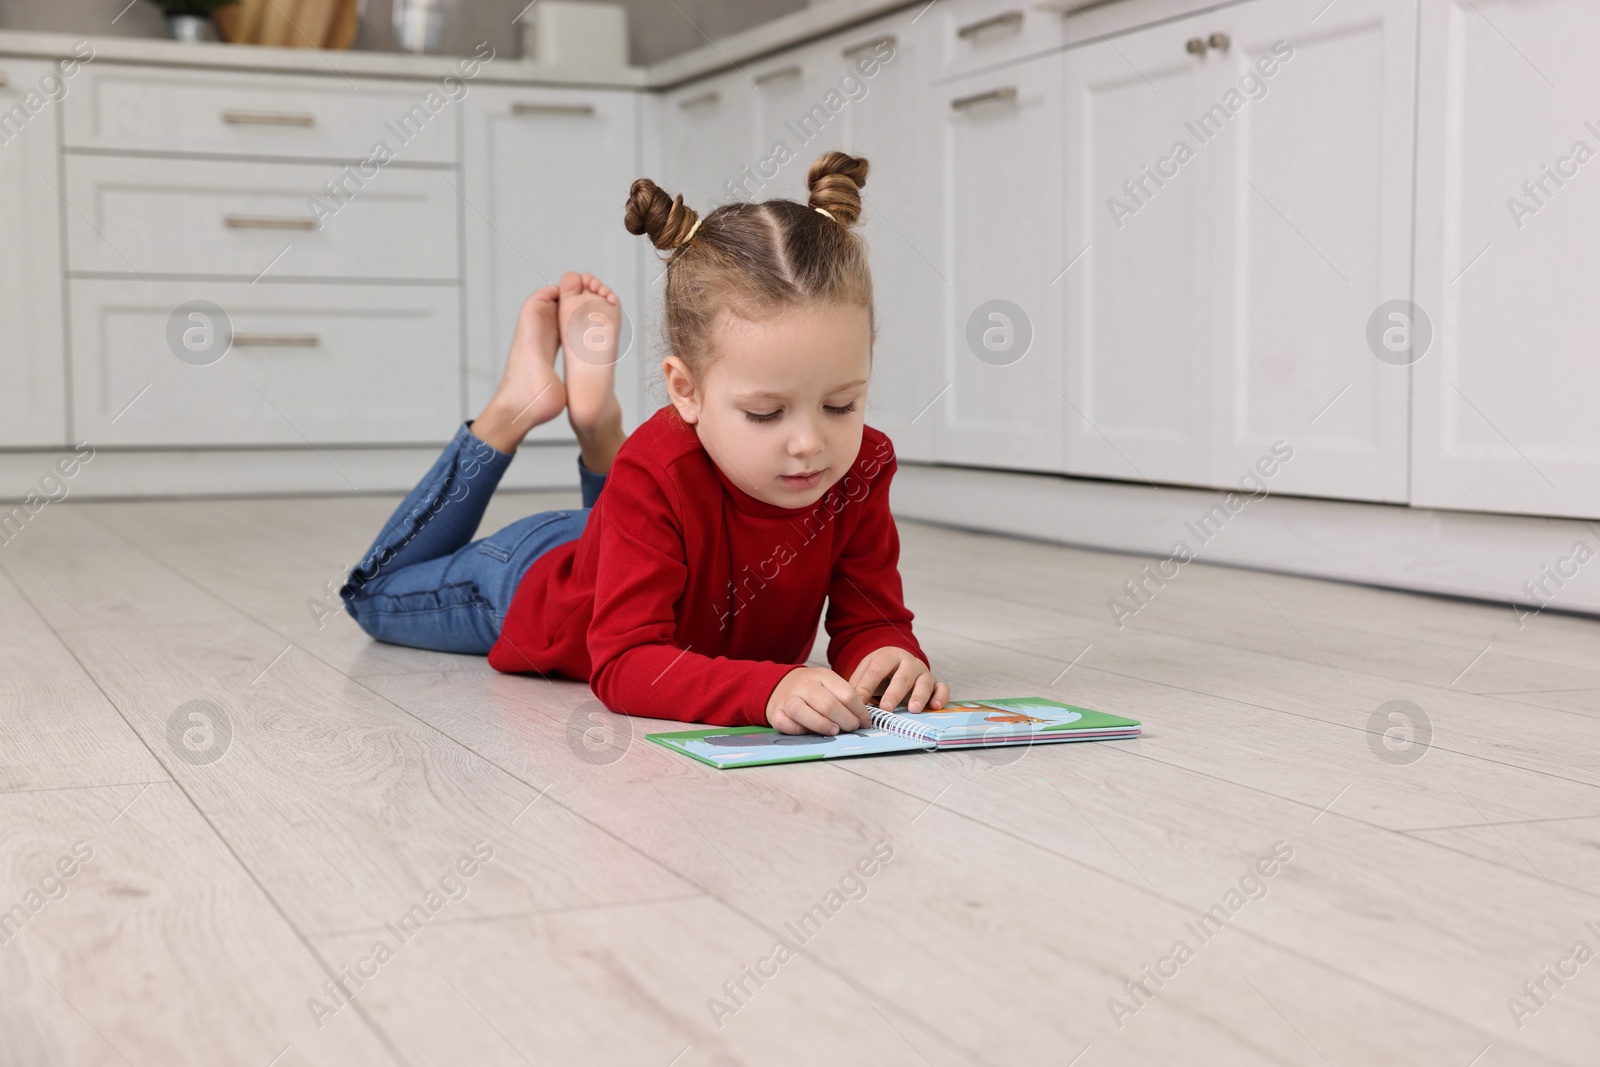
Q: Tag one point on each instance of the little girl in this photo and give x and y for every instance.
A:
(691, 587)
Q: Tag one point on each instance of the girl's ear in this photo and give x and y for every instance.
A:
(680, 389)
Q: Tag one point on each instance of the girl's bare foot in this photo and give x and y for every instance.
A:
(530, 392)
(591, 323)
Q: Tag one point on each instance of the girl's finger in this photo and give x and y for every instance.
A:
(781, 722)
(894, 693)
(850, 697)
(867, 674)
(813, 718)
(805, 718)
(941, 696)
(920, 692)
(875, 678)
(824, 701)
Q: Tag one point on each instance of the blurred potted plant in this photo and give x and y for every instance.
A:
(190, 20)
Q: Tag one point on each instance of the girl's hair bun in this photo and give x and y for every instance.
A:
(651, 211)
(836, 180)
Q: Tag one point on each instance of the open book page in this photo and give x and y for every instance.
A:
(999, 719)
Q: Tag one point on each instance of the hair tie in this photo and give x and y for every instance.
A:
(826, 212)
(690, 234)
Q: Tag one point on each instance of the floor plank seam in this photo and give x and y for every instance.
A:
(1392, 994)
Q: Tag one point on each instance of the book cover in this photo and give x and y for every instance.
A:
(754, 746)
(966, 723)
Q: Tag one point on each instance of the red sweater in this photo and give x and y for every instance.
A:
(687, 598)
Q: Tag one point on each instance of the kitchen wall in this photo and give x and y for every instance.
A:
(657, 30)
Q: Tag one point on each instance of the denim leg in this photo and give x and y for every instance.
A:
(442, 513)
(458, 602)
(436, 518)
(423, 584)
(591, 482)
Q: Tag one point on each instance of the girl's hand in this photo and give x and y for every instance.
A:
(907, 677)
(815, 700)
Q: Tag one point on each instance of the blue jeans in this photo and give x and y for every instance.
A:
(426, 583)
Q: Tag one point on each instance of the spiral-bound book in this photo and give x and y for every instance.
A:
(959, 724)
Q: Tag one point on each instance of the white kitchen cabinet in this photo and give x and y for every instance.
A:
(998, 368)
(547, 174)
(1238, 206)
(709, 135)
(122, 108)
(891, 126)
(1137, 289)
(796, 120)
(317, 364)
(1508, 204)
(32, 351)
(970, 35)
(1310, 232)
(228, 218)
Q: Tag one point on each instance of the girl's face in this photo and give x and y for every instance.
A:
(781, 409)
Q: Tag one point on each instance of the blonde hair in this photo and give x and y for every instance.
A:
(756, 260)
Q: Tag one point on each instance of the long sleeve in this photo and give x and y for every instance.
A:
(866, 604)
(638, 667)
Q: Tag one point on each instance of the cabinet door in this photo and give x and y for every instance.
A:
(1508, 203)
(709, 139)
(32, 349)
(999, 145)
(798, 110)
(1312, 206)
(1133, 271)
(546, 177)
(889, 125)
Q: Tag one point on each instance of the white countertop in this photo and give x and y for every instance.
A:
(816, 20)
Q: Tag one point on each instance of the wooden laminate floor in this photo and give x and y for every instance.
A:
(501, 872)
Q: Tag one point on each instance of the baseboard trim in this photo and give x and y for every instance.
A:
(1453, 553)
(1462, 554)
(114, 474)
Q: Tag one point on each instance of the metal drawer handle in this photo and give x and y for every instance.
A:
(268, 222)
(1002, 19)
(524, 107)
(1195, 46)
(277, 340)
(5, 80)
(1220, 41)
(704, 98)
(267, 118)
(1008, 93)
(864, 45)
(791, 71)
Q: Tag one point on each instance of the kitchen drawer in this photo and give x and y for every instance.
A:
(146, 109)
(325, 364)
(221, 218)
(973, 34)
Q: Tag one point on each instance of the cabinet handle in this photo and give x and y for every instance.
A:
(1002, 19)
(268, 222)
(524, 107)
(791, 71)
(277, 340)
(962, 102)
(710, 97)
(1220, 41)
(1195, 46)
(267, 118)
(888, 39)
(4, 80)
